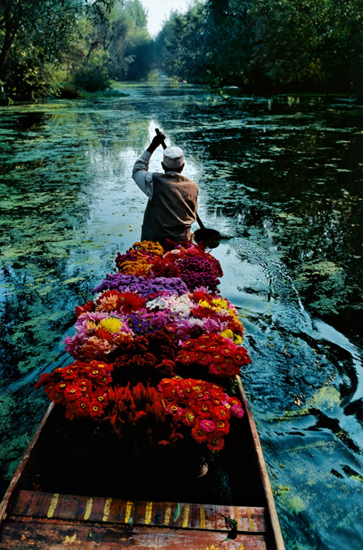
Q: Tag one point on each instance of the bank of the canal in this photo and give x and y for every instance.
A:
(284, 176)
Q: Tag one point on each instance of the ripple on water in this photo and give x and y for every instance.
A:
(302, 376)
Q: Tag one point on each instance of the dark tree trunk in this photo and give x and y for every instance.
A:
(11, 24)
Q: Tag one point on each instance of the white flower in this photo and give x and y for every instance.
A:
(179, 305)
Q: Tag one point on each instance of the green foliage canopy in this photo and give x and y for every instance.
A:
(36, 35)
(61, 46)
(302, 45)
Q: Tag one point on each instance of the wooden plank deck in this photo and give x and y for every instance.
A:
(46, 521)
(159, 514)
(41, 534)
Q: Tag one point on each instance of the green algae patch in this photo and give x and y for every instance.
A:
(326, 285)
(322, 269)
(327, 399)
(296, 504)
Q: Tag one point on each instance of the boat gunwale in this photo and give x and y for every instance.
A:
(4, 504)
(270, 501)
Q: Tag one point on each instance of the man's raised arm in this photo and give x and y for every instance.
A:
(140, 172)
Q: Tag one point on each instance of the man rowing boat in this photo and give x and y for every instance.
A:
(172, 205)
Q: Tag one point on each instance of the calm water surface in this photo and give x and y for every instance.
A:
(283, 177)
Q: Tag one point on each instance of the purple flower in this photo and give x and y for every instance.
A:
(144, 287)
(143, 322)
(197, 271)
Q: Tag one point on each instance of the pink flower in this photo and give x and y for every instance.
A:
(207, 425)
(214, 325)
(173, 409)
(73, 344)
(237, 411)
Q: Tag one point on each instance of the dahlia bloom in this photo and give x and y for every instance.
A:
(98, 334)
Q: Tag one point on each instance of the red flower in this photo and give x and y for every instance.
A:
(188, 417)
(199, 434)
(88, 306)
(96, 408)
(225, 360)
(56, 394)
(72, 392)
(130, 302)
(216, 443)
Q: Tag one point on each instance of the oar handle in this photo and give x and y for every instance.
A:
(163, 142)
(200, 223)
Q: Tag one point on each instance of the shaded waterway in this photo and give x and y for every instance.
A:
(283, 177)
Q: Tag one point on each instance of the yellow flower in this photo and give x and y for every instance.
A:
(227, 334)
(111, 324)
(220, 303)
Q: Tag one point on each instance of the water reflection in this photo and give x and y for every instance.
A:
(284, 177)
(305, 384)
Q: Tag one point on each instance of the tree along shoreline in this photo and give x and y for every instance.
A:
(226, 93)
(64, 48)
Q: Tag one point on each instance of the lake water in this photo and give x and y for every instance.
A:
(283, 177)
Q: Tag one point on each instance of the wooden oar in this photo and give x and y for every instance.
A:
(205, 235)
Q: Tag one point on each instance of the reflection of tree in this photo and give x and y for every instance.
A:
(289, 176)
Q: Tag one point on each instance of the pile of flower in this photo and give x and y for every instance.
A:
(201, 406)
(217, 355)
(155, 350)
(81, 387)
(193, 265)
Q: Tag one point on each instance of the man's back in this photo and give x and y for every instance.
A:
(172, 205)
(172, 209)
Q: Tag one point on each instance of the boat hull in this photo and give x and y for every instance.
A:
(113, 517)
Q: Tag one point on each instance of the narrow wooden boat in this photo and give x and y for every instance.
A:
(73, 491)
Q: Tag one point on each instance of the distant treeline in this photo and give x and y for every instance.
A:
(268, 45)
(263, 46)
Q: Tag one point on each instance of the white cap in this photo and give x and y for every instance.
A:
(173, 157)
